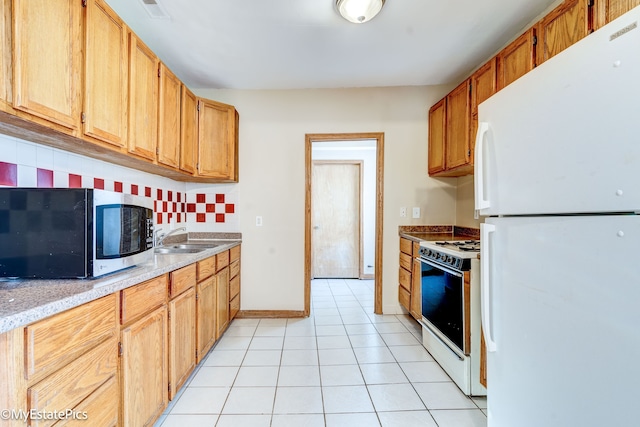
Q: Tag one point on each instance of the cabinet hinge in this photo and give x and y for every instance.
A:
(198, 107)
(470, 87)
(83, 117)
(157, 151)
(169, 315)
(119, 349)
(589, 3)
(535, 40)
(84, 3)
(196, 354)
(169, 388)
(158, 71)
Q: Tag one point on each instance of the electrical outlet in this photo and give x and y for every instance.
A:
(403, 212)
(258, 221)
(416, 212)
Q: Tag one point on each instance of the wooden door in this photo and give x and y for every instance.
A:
(222, 301)
(336, 219)
(416, 285)
(562, 27)
(144, 369)
(483, 85)
(47, 48)
(182, 339)
(143, 99)
(437, 133)
(608, 10)
(457, 147)
(217, 153)
(206, 317)
(106, 75)
(517, 59)
(169, 118)
(188, 131)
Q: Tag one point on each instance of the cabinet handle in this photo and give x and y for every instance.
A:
(481, 202)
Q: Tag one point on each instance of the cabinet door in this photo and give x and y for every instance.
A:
(182, 339)
(437, 131)
(206, 316)
(457, 147)
(106, 75)
(217, 141)
(5, 55)
(144, 369)
(416, 291)
(47, 60)
(608, 10)
(188, 131)
(483, 85)
(169, 118)
(222, 301)
(143, 99)
(517, 59)
(562, 27)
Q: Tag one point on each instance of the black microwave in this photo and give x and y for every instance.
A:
(55, 233)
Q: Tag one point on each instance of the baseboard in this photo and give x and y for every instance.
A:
(250, 314)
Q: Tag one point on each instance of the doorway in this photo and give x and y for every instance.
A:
(316, 140)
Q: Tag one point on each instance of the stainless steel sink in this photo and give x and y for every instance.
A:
(195, 245)
(170, 250)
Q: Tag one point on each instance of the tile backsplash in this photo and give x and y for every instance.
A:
(199, 207)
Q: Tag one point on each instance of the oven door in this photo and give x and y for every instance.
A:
(443, 304)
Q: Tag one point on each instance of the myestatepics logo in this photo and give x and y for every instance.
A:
(34, 414)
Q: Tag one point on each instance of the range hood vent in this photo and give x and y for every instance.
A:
(154, 9)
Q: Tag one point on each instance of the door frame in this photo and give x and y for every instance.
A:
(360, 165)
(346, 137)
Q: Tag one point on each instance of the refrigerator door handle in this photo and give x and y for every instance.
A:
(485, 284)
(481, 202)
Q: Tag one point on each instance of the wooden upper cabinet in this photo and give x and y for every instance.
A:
(608, 10)
(437, 130)
(517, 59)
(562, 27)
(188, 131)
(47, 55)
(483, 84)
(106, 75)
(5, 55)
(143, 99)
(457, 147)
(217, 141)
(169, 118)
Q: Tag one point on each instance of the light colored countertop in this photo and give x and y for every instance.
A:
(419, 233)
(26, 301)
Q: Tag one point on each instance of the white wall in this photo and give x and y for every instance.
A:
(273, 125)
(365, 151)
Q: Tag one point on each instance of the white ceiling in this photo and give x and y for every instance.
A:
(294, 44)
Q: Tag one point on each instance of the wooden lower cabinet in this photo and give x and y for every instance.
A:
(416, 289)
(205, 316)
(409, 289)
(182, 339)
(222, 301)
(144, 369)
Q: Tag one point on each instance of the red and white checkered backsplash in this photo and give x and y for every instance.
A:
(169, 205)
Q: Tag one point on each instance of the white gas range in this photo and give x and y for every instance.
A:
(450, 286)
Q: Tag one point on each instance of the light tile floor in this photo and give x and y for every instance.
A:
(343, 366)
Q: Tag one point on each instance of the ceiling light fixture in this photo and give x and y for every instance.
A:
(359, 11)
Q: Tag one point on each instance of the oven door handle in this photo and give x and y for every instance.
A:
(441, 267)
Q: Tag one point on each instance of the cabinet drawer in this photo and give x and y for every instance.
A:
(234, 253)
(101, 407)
(206, 268)
(69, 386)
(59, 339)
(405, 279)
(181, 280)
(234, 269)
(234, 307)
(405, 261)
(404, 297)
(222, 260)
(405, 246)
(234, 287)
(142, 298)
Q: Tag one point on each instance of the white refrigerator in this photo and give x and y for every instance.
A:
(557, 175)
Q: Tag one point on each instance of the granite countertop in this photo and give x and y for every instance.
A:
(418, 233)
(26, 301)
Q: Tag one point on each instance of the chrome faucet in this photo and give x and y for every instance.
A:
(161, 236)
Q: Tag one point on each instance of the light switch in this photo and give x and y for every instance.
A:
(416, 212)
(403, 212)
(258, 221)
